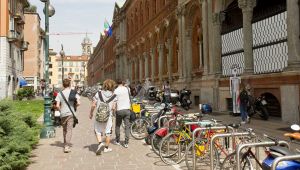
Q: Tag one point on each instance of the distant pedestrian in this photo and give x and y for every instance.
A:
(104, 101)
(63, 99)
(244, 101)
(167, 92)
(123, 112)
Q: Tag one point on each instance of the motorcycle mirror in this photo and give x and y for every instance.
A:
(295, 127)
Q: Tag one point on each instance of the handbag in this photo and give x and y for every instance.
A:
(132, 113)
(75, 120)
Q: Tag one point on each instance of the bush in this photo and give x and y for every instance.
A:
(18, 134)
(25, 93)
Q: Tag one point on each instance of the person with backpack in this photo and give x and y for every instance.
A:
(66, 102)
(244, 101)
(123, 112)
(104, 101)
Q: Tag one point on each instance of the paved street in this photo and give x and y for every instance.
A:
(49, 153)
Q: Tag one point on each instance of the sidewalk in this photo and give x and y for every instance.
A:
(49, 153)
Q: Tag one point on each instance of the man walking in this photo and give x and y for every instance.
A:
(123, 111)
(66, 112)
(244, 100)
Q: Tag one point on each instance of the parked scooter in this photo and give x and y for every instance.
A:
(277, 151)
(184, 99)
(258, 106)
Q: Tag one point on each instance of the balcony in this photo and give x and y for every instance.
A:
(19, 18)
(12, 36)
(24, 46)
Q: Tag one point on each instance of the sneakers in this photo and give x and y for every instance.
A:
(67, 149)
(107, 150)
(117, 143)
(100, 149)
(243, 122)
(126, 145)
(248, 119)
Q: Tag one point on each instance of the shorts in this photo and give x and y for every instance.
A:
(104, 128)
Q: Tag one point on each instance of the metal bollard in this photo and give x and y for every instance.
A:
(259, 144)
(222, 135)
(205, 128)
(284, 158)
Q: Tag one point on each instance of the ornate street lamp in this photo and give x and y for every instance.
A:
(62, 55)
(48, 131)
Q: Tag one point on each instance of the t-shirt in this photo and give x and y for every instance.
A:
(167, 89)
(106, 95)
(123, 101)
(64, 109)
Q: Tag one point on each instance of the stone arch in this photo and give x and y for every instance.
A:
(173, 34)
(156, 56)
(148, 48)
(164, 36)
(274, 106)
(197, 41)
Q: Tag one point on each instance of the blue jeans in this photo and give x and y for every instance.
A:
(244, 114)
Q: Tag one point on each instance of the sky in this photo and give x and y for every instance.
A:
(78, 16)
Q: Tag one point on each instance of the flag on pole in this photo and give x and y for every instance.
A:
(107, 28)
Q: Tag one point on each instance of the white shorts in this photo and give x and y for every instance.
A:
(104, 128)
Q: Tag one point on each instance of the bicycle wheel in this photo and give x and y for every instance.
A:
(229, 162)
(202, 156)
(155, 141)
(172, 148)
(138, 128)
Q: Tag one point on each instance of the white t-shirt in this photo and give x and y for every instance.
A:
(106, 95)
(123, 101)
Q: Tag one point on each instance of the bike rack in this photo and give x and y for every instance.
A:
(159, 119)
(206, 128)
(284, 158)
(258, 144)
(152, 118)
(223, 135)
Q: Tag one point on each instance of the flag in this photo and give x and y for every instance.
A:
(107, 28)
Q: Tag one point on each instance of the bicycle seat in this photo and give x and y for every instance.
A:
(282, 150)
(235, 126)
(295, 135)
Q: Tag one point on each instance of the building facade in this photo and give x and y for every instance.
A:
(12, 45)
(197, 43)
(34, 56)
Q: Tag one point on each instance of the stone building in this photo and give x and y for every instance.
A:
(197, 43)
(12, 45)
(34, 56)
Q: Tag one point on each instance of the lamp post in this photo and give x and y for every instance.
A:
(62, 55)
(83, 65)
(48, 130)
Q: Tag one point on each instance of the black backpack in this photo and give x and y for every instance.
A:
(244, 98)
(72, 97)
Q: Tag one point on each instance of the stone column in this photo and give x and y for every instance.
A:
(210, 37)
(217, 60)
(169, 59)
(141, 68)
(152, 51)
(293, 34)
(117, 67)
(160, 48)
(181, 30)
(205, 36)
(146, 65)
(136, 71)
(247, 9)
(188, 55)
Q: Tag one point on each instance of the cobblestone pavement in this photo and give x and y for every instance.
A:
(49, 153)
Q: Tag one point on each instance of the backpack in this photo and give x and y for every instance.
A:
(72, 98)
(103, 110)
(244, 98)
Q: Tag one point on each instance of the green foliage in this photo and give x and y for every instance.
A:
(19, 132)
(25, 93)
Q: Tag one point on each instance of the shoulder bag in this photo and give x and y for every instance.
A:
(75, 120)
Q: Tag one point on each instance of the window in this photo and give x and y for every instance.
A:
(59, 82)
(66, 63)
(59, 69)
(71, 64)
(59, 76)
(66, 69)
(76, 69)
(59, 64)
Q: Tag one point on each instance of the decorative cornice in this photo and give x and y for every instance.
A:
(156, 29)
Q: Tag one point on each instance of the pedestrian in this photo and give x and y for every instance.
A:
(244, 101)
(167, 92)
(104, 98)
(67, 106)
(123, 111)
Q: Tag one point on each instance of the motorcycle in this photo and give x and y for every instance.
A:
(152, 93)
(184, 99)
(258, 106)
(277, 151)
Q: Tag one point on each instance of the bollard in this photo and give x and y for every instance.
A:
(258, 144)
(284, 158)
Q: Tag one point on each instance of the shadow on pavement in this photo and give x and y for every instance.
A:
(160, 163)
(58, 144)
(92, 147)
(152, 155)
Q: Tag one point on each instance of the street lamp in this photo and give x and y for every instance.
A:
(62, 55)
(48, 130)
